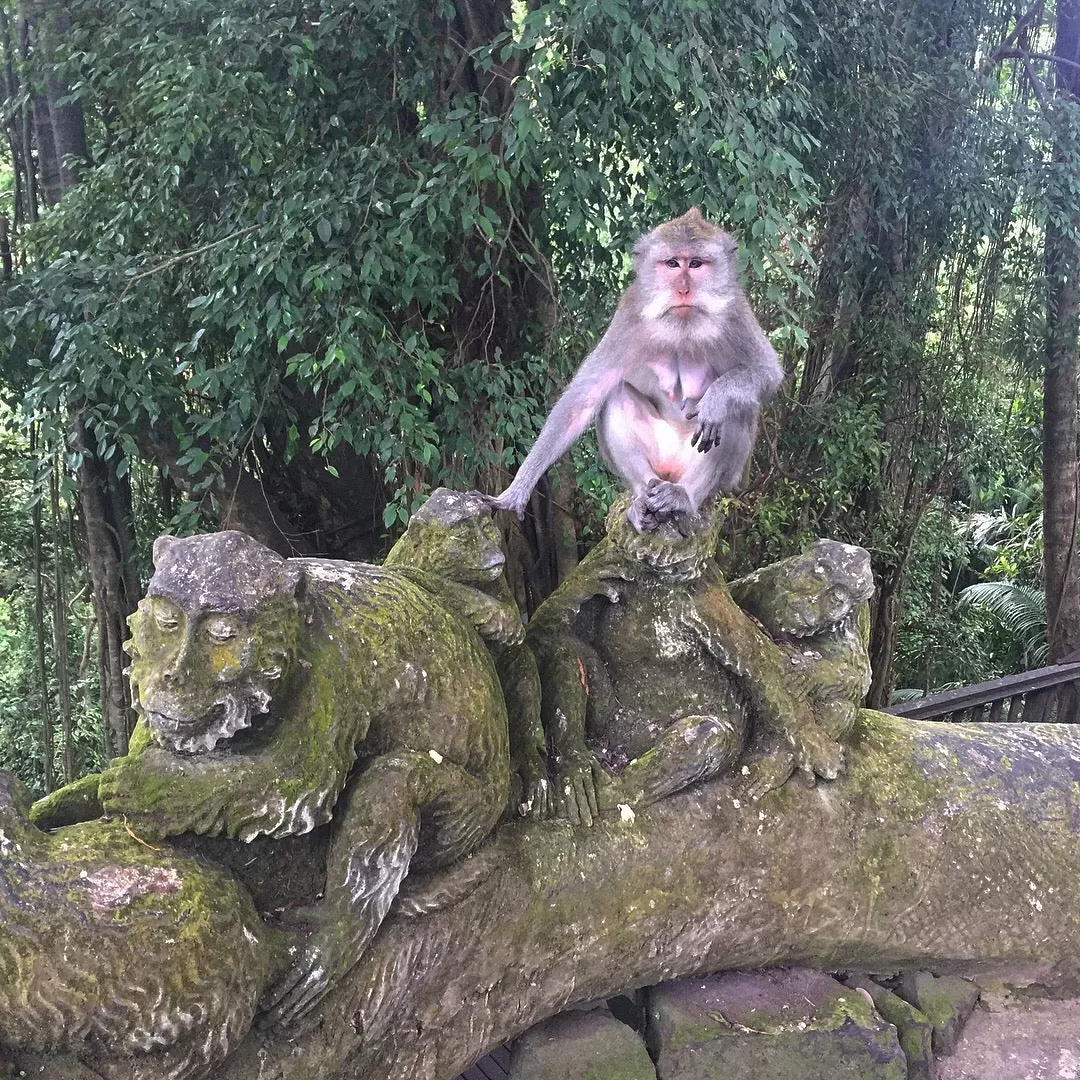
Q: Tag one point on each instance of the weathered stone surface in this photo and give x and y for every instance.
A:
(147, 964)
(1032, 1039)
(581, 1046)
(941, 847)
(780, 1025)
(912, 1027)
(946, 1002)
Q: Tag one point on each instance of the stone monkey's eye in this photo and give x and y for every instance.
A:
(221, 630)
(166, 620)
(673, 263)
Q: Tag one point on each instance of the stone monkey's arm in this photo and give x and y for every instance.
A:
(495, 618)
(284, 787)
(766, 676)
(74, 802)
(530, 790)
(565, 679)
(376, 832)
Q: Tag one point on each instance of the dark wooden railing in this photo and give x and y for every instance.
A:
(1045, 694)
(492, 1067)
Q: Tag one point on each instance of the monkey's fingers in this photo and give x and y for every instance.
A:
(709, 437)
(501, 502)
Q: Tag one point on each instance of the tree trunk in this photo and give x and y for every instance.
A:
(1060, 464)
(105, 502)
(104, 496)
(61, 657)
(47, 733)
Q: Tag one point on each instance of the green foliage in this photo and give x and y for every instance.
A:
(300, 226)
(312, 233)
(1020, 613)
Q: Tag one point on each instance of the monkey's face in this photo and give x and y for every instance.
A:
(686, 275)
(199, 676)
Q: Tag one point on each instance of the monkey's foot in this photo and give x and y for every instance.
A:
(816, 753)
(579, 779)
(768, 773)
(660, 503)
(514, 502)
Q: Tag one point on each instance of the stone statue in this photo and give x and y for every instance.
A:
(653, 677)
(276, 694)
(452, 548)
(815, 606)
(350, 721)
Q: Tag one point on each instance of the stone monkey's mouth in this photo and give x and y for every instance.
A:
(163, 721)
(193, 734)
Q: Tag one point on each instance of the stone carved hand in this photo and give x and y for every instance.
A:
(579, 778)
(536, 800)
(332, 949)
(137, 790)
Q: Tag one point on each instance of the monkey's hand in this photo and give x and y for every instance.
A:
(718, 407)
(325, 957)
(579, 776)
(513, 500)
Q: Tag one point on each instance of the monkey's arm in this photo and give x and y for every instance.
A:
(748, 374)
(766, 677)
(601, 371)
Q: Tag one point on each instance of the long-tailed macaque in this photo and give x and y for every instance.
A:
(675, 384)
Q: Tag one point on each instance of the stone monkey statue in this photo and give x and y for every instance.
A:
(278, 694)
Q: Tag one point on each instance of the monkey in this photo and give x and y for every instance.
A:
(675, 385)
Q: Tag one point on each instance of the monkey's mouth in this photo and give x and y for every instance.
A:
(191, 734)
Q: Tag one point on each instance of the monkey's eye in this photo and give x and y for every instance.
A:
(695, 263)
(673, 263)
(220, 630)
(166, 620)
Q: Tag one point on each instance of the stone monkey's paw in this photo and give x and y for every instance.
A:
(758, 778)
(579, 779)
(327, 955)
(537, 800)
(816, 754)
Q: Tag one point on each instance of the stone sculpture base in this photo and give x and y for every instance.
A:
(946, 847)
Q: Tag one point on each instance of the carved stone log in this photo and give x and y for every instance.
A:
(953, 848)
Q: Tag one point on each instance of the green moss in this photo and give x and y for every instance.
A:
(74, 802)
